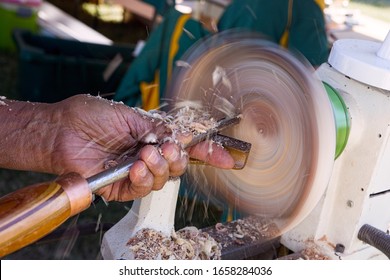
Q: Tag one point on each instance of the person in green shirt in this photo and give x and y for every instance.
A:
(298, 25)
(144, 82)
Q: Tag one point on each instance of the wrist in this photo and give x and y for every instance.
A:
(28, 134)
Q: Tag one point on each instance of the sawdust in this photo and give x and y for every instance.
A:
(186, 244)
(191, 243)
(187, 117)
(243, 231)
(311, 252)
(190, 117)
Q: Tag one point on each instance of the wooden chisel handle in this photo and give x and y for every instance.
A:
(29, 214)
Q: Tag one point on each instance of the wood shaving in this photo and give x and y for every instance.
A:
(311, 252)
(248, 230)
(256, 228)
(190, 116)
(110, 163)
(220, 228)
(186, 244)
(181, 63)
(151, 138)
(186, 117)
(2, 103)
(218, 75)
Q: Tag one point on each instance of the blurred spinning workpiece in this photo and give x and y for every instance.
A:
(285, 114)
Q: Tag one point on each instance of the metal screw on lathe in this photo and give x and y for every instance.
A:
(339, 248)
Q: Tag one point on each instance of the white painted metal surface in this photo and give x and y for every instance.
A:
(363, 60)
(359, 188)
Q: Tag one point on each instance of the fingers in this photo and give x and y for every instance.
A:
(151, 171)
(208, 152)
(212, 154)
(177, 159)
(153, 168)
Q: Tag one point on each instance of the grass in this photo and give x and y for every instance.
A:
(378, 3)
(105, 12)
(378, 9)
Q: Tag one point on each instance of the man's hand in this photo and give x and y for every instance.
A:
(85, 134)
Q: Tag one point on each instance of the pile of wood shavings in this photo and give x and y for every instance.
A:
(248, 230)
(263, 227)
(311, 252)
(190, 116)
(186, 244)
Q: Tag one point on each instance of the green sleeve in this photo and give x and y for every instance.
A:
(237, 15)
(142, 69)
(192, 33)
(308, 32)
(268, 18)
(155, 56)
(145, 65)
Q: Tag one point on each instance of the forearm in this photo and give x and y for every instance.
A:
(27, 135)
